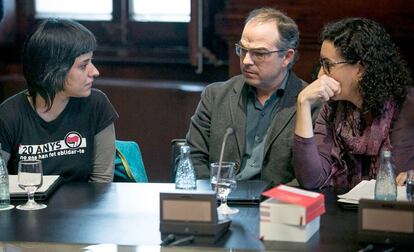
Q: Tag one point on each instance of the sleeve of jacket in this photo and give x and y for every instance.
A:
(198, 134)
(312, 160)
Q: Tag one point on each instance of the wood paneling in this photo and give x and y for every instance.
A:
(397, 16)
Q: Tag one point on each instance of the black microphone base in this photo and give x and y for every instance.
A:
(206, 233)
(198, 239)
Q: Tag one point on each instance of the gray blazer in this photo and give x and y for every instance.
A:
(223, 105)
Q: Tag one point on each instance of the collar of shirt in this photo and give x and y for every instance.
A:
(251, 91)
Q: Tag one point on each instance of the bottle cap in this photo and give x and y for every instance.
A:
(185, 148)
(387, 153)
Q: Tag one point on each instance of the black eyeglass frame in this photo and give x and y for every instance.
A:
(326, 66)
(242, 51)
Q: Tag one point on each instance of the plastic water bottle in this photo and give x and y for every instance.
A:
(185, 176)
(4, 184)
(385, 185)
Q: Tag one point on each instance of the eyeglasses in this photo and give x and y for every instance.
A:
(257, 55)
(327, 65)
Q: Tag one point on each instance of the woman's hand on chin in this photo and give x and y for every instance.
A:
(324, 88)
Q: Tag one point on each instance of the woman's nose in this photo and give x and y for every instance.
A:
(94, 71)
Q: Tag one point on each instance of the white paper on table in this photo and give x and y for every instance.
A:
(365, 189)
(48, 180)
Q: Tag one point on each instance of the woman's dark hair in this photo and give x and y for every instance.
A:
(48, 54)
(386, 75)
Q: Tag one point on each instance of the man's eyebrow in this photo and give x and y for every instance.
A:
(260, 49)
(255, 49)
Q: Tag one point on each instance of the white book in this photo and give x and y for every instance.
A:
(276, 231)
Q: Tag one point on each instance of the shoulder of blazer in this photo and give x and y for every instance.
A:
(296, 83)
(235, 83)
(294, 86)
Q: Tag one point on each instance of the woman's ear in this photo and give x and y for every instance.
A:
(360, 70)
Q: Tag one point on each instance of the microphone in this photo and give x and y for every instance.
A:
(183, 241)
(229, 131)
(169, 239)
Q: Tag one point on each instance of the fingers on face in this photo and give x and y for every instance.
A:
(322, 93)
(327, 88)
(331, 83)
(325, 96)
(335, 87)
(329, 91)
(401, 178)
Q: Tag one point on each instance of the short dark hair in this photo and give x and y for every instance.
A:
(386, 75)
(287, 28)
(48, 54)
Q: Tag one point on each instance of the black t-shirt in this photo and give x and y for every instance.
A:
(66, 144)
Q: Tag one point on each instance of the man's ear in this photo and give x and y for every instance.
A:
(288, 58)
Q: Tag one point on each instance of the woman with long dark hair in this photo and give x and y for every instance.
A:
(368, 96)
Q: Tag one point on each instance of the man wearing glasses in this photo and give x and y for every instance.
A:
(259, 104)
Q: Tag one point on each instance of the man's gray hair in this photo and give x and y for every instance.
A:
(287, 27)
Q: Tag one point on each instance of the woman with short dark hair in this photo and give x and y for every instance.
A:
(60, 119)
(368, 94)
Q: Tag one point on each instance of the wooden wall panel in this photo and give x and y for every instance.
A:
(397, 16)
